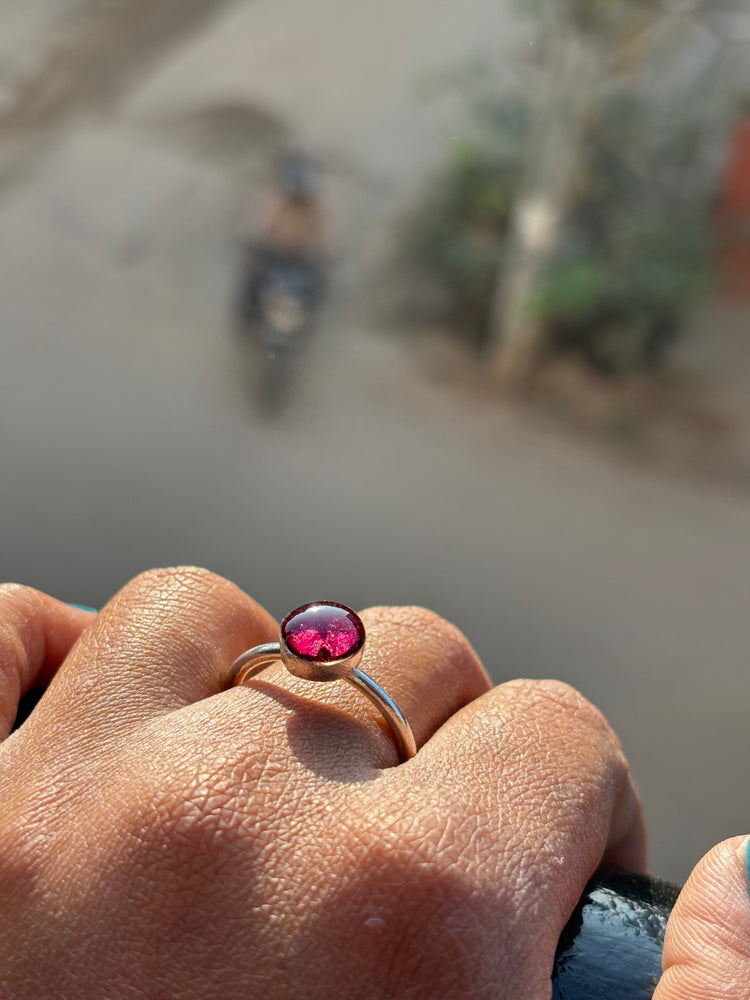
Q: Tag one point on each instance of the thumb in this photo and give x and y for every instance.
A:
(707, 944)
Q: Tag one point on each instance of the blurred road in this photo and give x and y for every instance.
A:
(127, 438)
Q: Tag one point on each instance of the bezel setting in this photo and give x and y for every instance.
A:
(320, 616)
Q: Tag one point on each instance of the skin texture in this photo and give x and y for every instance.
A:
(163, 837)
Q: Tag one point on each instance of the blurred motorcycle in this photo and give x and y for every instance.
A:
(282, 281)
(278, 311)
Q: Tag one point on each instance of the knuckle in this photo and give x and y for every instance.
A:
(164, 592)
(170, 581)
(425, 620)
(446, 640)
(16, 615)
(409, 617)
(575, 731)
(17, 600)
(201, 814)
(444, 631)
(12, 667)
(565, 702)
(427, 631)
(12, 651)
(200, 821)
(13, 591)
(184, 612)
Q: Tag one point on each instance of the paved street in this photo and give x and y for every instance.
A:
(128, 439)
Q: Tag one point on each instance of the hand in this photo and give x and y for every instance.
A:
(707, 945)
(161, 836)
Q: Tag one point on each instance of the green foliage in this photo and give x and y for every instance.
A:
(574, 290)
(597, 17)
(634, 251)
(460, 231)
(636, 248)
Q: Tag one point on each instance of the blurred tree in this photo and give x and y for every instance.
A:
(579, 213)
(584, 45)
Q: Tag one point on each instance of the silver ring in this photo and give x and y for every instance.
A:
(324, 641)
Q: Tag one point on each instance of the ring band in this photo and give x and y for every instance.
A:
(324, 641)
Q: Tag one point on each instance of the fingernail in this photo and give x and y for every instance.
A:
(743, 853)
(83, 607)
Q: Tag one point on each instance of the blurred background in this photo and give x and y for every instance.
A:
(443, 302)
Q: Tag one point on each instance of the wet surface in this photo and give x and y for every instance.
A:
(611, 948)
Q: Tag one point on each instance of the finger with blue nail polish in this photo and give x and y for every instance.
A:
(707, 944)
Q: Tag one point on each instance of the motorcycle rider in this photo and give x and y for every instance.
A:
(292, 234)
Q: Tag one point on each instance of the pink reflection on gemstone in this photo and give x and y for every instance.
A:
(323, 631)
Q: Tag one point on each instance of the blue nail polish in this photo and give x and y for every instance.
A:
(83, 607)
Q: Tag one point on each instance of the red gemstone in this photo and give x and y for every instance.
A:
(323, 631)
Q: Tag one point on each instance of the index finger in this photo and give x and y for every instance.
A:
(36, 634)
(166, 640)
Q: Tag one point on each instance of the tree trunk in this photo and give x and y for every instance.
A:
(563, 109)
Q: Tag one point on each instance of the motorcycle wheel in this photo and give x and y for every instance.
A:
(273, 383)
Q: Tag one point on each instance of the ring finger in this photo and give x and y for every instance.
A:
(422, 661)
